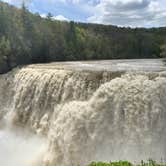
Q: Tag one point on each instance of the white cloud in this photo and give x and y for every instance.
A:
(130, 13)
(43, 15)
(61, 18)
(58, 17)
(18, 2)
(135, 13)
(66, 1)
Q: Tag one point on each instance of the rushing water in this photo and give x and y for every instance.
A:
(71, 113)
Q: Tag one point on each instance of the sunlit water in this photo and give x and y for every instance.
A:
(111, 65)
(72, 113)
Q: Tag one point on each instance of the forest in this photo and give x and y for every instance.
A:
(27, 38)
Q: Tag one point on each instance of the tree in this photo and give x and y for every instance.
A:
(163, 50)
(49, 16)
(3, 21)
(5, 54)
(28, 38)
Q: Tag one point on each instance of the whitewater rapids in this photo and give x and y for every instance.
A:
(70, 115)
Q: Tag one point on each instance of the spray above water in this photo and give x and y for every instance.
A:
(82, 115)
(20, 149)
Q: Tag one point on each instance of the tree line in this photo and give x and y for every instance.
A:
(28, 38)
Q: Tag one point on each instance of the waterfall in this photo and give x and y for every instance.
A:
(86, 115)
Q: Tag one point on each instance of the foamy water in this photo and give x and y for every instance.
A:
(20, 149)
(69, 114)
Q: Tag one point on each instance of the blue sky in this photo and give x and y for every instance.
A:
(134, 13)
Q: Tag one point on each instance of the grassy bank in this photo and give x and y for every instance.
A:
(126, 163)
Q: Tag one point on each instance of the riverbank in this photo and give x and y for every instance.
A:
(126, 163)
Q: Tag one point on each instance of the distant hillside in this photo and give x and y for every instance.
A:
(27, 38)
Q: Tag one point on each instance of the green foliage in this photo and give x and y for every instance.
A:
(163, 50)
(126, 163)
(5, 54)
(49, 16)
(120, 163)
(27, 38)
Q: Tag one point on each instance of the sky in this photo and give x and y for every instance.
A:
(128, 13)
